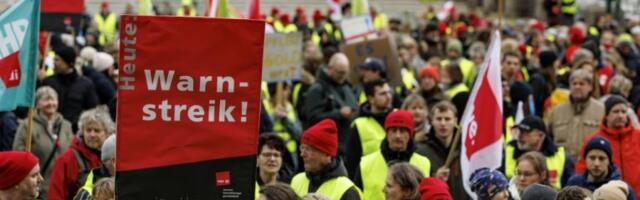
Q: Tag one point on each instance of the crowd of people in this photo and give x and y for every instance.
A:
(570, 110)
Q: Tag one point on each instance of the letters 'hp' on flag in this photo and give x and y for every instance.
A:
(18, 51)
(482, 120)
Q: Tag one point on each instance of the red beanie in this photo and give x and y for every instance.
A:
(14, 167)
(399, 119)
(576, 35)
(434, 189)
(430, 71)
(284, 18)
(322, 136)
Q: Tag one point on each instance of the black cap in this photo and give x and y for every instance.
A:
(531, 122)
(373, 64)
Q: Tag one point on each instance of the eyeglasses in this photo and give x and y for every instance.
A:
(307, 149)
(526, 174)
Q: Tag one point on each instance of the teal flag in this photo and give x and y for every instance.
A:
(19, 26)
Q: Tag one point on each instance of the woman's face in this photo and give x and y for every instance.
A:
(526, 175)
(392, 191)
(419, 111)
(428, 83)
(29, 187)
(269, 160)
(47, 104)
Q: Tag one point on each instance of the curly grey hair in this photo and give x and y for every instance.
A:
(97, 115)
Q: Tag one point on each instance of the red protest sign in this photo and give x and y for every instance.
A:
(188, 107)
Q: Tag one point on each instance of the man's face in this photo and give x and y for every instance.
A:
(443, 122)
(597, 164)
(370, 75)
(381, 98)
(313, 159)
(59, 66)
(510, 65)
(339, 72)
(30, 185)
(94, 134)
(617, 117)
(529, 141)
(580, 89)
(269, 160)
(398, 138)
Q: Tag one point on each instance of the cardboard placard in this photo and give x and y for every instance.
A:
(381, 48)
(282, 59)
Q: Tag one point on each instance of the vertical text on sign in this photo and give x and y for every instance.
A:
(129, 52)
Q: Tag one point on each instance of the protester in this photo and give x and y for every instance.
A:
(82, 156)
(274, 162)
(614, 190)
(571, 122)
(104, 189)
(324, 172)
(600, 169)
(75, 93)
(331, 97)
(106, 170)
(489, 184)
(429, 88)
(20, 174)
(533, 137)
(397, 146)
(367, 129)
(415, 104)
(531, 169)
(402, 182)
(100, 72)
(51, 133)
(616, 128)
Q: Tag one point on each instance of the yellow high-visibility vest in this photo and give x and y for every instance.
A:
(333, 188)
(555, 165)
(374, 172)
(371, 134)
(106, 27)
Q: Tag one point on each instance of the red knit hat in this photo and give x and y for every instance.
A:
(430, 71)
(434, 189)
(322, 136)
(576, 35)
(14, 167)
(400, 119)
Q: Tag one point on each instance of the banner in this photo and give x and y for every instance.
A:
(188, 104)
(61, 15)
(356, 29)
(381, 48)
(18, 54)
(282, 57)
(481, 122)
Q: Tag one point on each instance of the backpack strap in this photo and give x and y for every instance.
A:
(84, 168)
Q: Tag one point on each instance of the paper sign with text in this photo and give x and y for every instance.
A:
(355, 29)
(282, 57)
(188, 107)
(381, 48)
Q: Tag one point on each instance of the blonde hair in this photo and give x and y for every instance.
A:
(539, 165)
(106, 187)
(46, 91)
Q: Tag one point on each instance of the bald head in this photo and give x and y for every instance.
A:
(338, 68)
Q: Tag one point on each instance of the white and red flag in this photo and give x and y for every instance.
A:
(482, 120)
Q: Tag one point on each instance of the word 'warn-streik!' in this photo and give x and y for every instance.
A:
(217, 110)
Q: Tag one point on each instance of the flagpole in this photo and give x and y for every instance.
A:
(29, 125)
(454, 146)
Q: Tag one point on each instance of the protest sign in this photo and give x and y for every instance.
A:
(282, 57)
(188, 107)
(381, 48)
(356, 29)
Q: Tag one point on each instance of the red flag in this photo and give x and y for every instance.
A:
(482, 120)
(253, 10)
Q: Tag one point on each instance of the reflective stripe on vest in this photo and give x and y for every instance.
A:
(374, 171)
(452, 92)
(106, 27)
(279, 128)
(525, 73)
(333, 188)
(362, 98)
(257, 190)
(555, 165)
(568, 7)
(408, 79)
(370, 132)
(295, 94)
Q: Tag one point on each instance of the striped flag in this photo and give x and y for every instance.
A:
(481, 122)
(18, 54)
(253, 10)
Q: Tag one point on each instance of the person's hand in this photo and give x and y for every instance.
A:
(346, 112)
(280, 112)
(443, 173)
(42, 73)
